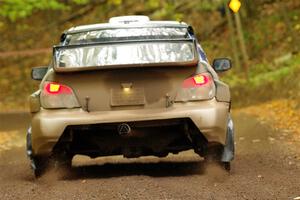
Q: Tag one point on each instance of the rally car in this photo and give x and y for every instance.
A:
(131, 87)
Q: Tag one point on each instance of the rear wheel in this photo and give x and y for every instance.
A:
(226, 166)
(41, 165)
(60, 159)
(214, 153)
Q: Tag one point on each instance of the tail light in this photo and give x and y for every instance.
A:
(198, 87)
(56, 95)
(196, 81)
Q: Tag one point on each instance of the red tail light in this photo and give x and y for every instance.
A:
(196, 81)
(56, 88)
(56, 95)
(196, 88)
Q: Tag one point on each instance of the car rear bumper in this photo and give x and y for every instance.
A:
(210, 117)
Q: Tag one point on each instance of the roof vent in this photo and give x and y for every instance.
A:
(129, 19)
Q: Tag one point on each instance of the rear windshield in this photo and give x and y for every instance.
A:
(120, 34)
(125, 54)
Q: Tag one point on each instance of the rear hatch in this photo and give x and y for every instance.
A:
(130, 88)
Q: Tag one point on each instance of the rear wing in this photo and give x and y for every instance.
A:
(125, 54)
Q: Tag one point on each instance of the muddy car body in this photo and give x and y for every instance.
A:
(131, 87)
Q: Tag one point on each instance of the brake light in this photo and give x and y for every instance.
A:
(195, 81)
(56, 88)
(196, 88)
(200, 79)
(56, 95)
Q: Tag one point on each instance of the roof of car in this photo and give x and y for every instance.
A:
(126, 22)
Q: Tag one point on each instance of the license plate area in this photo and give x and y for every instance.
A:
(132, 97)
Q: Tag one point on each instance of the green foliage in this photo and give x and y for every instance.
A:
(280, 82)
(165, 9)
(15, 9)
(115, 2)
(153, 4)
(262, 74)
(209, 5)
(80, 2)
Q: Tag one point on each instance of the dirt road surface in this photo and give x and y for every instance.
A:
(267, 166)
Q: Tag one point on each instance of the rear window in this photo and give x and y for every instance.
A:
(112, 54)
(119, 34)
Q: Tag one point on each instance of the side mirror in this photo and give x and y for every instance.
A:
(221, 64)
(38, 73)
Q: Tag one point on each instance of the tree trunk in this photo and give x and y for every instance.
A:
(232, 36)
(242, 43)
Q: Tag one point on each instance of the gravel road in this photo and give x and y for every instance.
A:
(267, 166)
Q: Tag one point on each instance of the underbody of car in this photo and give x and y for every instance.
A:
(131, 87)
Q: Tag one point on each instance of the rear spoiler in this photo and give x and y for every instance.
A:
(165, 64)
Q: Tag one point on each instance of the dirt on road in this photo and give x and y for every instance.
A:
(267, 166)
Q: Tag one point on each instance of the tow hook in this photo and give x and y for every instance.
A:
(124, 129)
(169, 102)
(87, 101)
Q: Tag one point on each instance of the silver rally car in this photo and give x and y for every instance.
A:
(130, 87)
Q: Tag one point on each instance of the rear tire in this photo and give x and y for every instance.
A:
(226, 166)
(41, 165)
(214, 153)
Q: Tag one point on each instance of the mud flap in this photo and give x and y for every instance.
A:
(228, 153)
